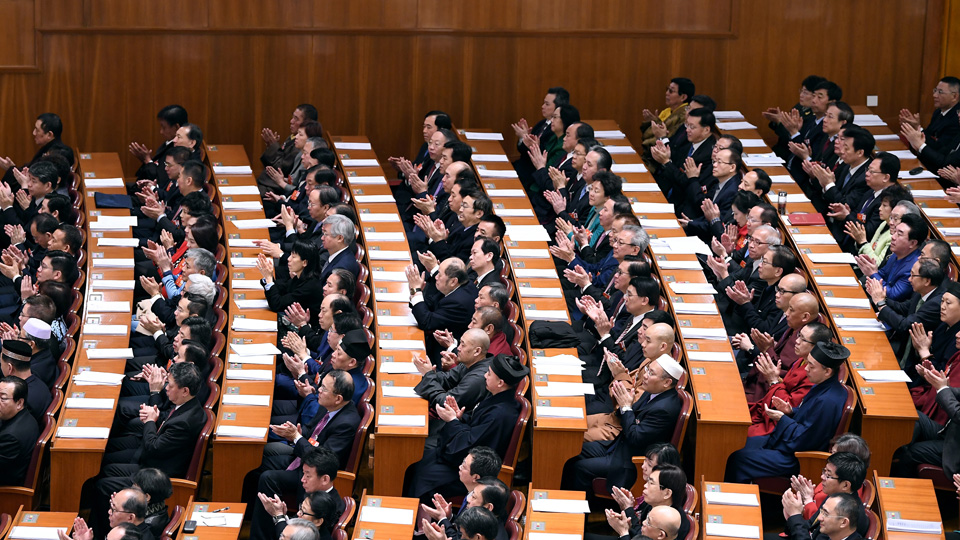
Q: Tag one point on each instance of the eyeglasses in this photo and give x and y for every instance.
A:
(805, 340)
(646, 523)
(780, 290)
(940, 92)
(828, 476)
(301, 512)
(757, 241)
(718, 162)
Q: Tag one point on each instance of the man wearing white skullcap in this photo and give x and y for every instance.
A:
(649, 419)
(42, 362)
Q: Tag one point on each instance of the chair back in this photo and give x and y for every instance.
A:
(55, 403)
(694, 527)
(170, 531)
(366, 316)
(873, 529)
(362, 295)
(516, 505)
(690, 505)
(5, 522)
(681, 428)
(81, 280)
(221, 273)
(513, 312)
(844, 424)
(370, 391)
(214, 397)
(935, 474)
(513, 449)
(219, 342)
(221, 322)
(185, 488)
(514, 530)
(221, 299)
(72, 322)
(76, 300)
(349, 508)
(216, 368)
(867, 493)
(33, 470)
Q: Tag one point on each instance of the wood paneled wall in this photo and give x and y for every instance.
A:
(373, 67)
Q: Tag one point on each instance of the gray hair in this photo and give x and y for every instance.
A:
(774, 239)
(639, 237)
(909, 208)
(306, 530)
(203, 260)
(341, 226)
(203, 286)
(317, 142)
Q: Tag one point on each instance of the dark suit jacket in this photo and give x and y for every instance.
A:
(900, 316)
(337, 436)
(673, 181)
(168, 446)
(466, 384)
(346, 259)
(18, 436)
(844, 190)
(760, 313)
(649, 421)
(149, 171)
(723, 199)
(451, 312)
(308, 292)
(457, 244)
(943, 132)
(948, 401)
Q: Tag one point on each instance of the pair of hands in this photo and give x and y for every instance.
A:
(762, 340)
(159, 255)
(435, 229)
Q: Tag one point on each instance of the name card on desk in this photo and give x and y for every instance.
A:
(731, 499)
(374, 198)
(379, 514)
(255, 400)
(480, 136)
(118, 242)
(106, 329)
(706, 356)
(384, 236)
(609, 134)
(691, 288)
(254, 223)
(835, 301)
(254, 349)
(887, 137)
(83, 432)
(883, 375)
(546, 314)
(254, 325)
(695, 308)
(540, 292)
(388, 255)
(265, 360)
(732, 531)
(239, 190)
(831, 258)
(559, 412)
(101, 306)
(402, 420)
(561, 506)
(252, 304)
(942, 212)
(400, 392)
(90, 403)
(242, 205)
(912, 526)
(232, 169)
(400, 344)
(859, 324)
(352, 146)
(243, 432)
(249, 375)
(95, 354)
(703, 333)
(394, 368)
(382, 275)
(843, 281)
(482, 158)
(102, 183)
(559, 359)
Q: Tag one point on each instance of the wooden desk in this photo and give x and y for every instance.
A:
(204, 532)
(552, 522)
(555, 440)
(369, 529)
(906, 498)
(60, 520)
(733, 515)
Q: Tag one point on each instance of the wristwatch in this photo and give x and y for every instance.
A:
(278, 519)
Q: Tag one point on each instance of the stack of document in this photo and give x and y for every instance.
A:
(562, 506)
(731, 499)
(232, 169)
(379, 514)
(87, 378)
(400, 344)
(254, 349)
(243, 432)
(914, 526)
(559, 412)
(400, 392)
(249, 375)
(242, 324)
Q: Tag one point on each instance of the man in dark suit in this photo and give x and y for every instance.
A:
(484, 262)
(923, 306)
(445, 303)
(804, 113)
(933, 157)
(646, 419)
(719, 189)
(848, 182)
(746, 270)
(760, 310)
(490, 423)
(338, 235)
(881, 181)
(799, 128)
(15, 361)
(18, 431)
(46, 134)
(673, 179)
(170, 118)
(841, 517)
(39, 181)
(943, 131)
(557, 96)
(457, 243)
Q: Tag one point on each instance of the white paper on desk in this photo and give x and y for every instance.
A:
(764, 162)
(836, 301)
(530, 273)
(508, 193)
(102, 182)
(400, 392)
(728, 115)
(731, 499)
(360, 163)
(558, 360)
(249, 375)
(905, 175)
(868, 120)
(106, 329)
(781, 179)
(239, 190)
(534, 233)
(102, 306)
(735, 126)
(245, 284)
(546, 315)
(687, 246)
(928, 193)
(366, 180)
(220, 519)
(379, 514)
(560, 389)
(400, 345)
(679, 265)
(692, 288)
(484, 158)
(232, 169)
(529, 253)
(398, 367)
(831, 258)
(695, 308)
(559, 412)
(942, 212)
(765, 155)
(252, 304)
(113, 263)
(352, 146)
(707, 356)
(83, 432)
(254, 349)
(843, 281)
(887, 137)
(911, 526)
(797, 198)
(407, 420)
(732, 531)
(119, 221)
(955, 250)
(559, 369)
(242, 324)
(90, 403)
(753, 143)
(118, 242)
(261, 360)
(553, 536)
(254, 223)
(561, 506)
(242, 243)
(98, 353)
(541, 292)
(497, 173)
(243, 432)
(36, 533)
(243, 262)
(374, 198)
(480, 136)
(628, 168)
(659, 223)
(903, 154)
(392, 297)
(814, 239)
(652, 208)
(641, 187)
(242, 205)
(384, 236)
(859, 324)
(384, 275)
(609, 134)
(619, 149)
(380, 218)
(884, 375)
(703, 333)
(109, 227)
(388, 255)
(949, 231)
(514, 212)
(396, 320)
(254, 400)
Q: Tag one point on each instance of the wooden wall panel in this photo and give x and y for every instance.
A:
(375, 66)
(18, 40)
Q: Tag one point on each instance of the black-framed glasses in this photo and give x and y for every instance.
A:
(828, 476)
(301, 512)
(781, 290)
(646, 523)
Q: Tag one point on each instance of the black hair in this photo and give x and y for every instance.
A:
(611, 183)
(918, 227)
(51, 123)
(673, 478)
(499, 227)
(180, 154)
(664, 453)
(497, 494)
(605, 162)
(194, 134)
(186, 375)
(932, 270)
(561, 96)
(705, 102)
(850, 468)
(311, 128)
(705, 117)
(45, 223)
(889, 165)
(196, 203)
(45, 172)
(130, 531)
(845, 113)
(61, 294)
(196, 353)
(459, 151)
(478, 520)
(200, 329)
(481, 203)
(648, 288)
(745, 200)
(486, 462)
(834, 92)
(346, 281)
(308, 252)
(308, 111)
(569, 115)
(685, 87)
(323, 506)
(764, 182)
(584, 131)
(154, 483)
(205, 233)
(60, 203)
(324, 156)
(811, 82)
(323, 460)
(173, 115)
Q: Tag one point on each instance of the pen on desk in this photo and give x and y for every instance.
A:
(225, 508)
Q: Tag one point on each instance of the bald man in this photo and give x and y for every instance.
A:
(464, 381)
(662, 523)
(803, 308)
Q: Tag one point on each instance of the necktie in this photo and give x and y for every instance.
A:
(908, 350)
(690, 152)
(623, 335)
(866, 204)
(846, 179)
(598, 242)
(316, 431)
(169, 416)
